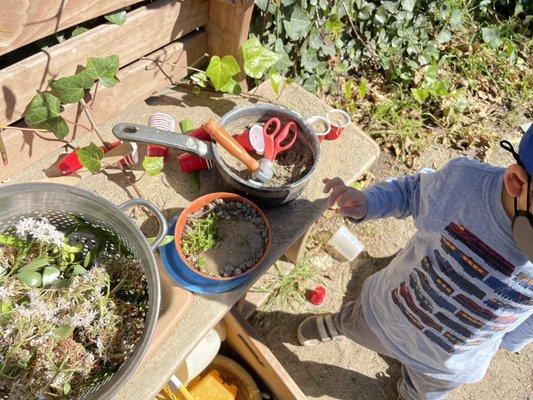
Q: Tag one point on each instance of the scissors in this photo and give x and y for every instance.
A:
(274, 134)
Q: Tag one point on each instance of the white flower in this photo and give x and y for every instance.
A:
(45, 232)
(83, 319)
(24, 227)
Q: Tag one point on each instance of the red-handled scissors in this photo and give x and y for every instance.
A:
(274, 135)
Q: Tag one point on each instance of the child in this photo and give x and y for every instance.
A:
(461, 287)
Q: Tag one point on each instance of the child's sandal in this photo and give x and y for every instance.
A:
(318, 329)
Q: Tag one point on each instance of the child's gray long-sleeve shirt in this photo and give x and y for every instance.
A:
(447, 299)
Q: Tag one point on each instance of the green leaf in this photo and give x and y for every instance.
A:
(186, 126)
(299, 24)
(78, 270)
(438, 89)
(118, 18)
(456, 19)
(194, 181)
(200, 78)
(491, 36)
(348, 89)
(334, 25)
(62, 332)
(257, 58)
(90, 156)
(6, 306)
(72, 249)
(276, 81)
(408, 5)
(420, 94)
(104, 69)
(10, 241)
(43, 107)
(36, 264)
(58, 126)
(362, 89)
(50, 275)
(30, 278)
(153, 165)
(166, 240)
(66, 388)
(78, 31)
(221, 71)
(232, 87)
(71, 88)
(444, 36)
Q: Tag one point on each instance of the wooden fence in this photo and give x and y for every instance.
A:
(178, 32)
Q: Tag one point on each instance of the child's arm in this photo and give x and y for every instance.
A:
(396, 197)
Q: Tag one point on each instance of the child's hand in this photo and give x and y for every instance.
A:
(352, 202)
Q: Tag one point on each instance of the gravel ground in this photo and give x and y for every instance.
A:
(345, 370)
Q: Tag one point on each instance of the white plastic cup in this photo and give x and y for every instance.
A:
(346, 243)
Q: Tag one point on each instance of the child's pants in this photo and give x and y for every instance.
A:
(351, 323)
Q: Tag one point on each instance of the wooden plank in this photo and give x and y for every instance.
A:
(229, 23)
(147, 29)
(25, 21)
(137, 81)
(240, 336)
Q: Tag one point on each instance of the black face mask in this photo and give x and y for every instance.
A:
(523, 219)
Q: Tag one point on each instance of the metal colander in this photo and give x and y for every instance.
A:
(59, 203)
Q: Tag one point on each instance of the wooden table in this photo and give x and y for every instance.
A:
(348, 157)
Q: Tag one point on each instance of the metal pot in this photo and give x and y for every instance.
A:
(60, 204)
(265, 196)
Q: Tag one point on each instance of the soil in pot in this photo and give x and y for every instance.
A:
(224, 239)
(289, 166)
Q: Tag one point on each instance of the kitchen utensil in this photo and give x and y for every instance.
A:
(274, 134)
(266, 196)
(61, 204)
(261, 170)
(346, 243)
(160, 121)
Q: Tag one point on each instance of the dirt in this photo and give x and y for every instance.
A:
(289, 166)
(344, 370)
(241, 236)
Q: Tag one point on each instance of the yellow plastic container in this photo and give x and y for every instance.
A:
(212, 387)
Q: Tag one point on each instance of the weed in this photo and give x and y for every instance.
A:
(289, 287)
(203, 237)
(242, 240)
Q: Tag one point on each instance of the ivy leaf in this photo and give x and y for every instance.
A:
(50, 275)
(104, 69)
(30, 278)
(334, 25)
(78, 31)
(298, 26)
(200, 78)
(232, 87)
(257, 58)
(43, 107)
(276, 81)
(221, 71)
(491, 36)
(71, 88)
(444, 36)
(153, 165)
(166, 240)
(118, 18)
(420, 94)
(90, 156)
(58, 126)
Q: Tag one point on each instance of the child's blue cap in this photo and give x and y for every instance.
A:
(525, 150)
(524, 157)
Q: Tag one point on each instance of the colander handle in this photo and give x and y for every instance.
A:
(163, 227)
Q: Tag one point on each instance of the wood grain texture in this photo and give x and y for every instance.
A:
(137, 82)
(229, 23)
(25, 21)
(242, 338)
(147, 29)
